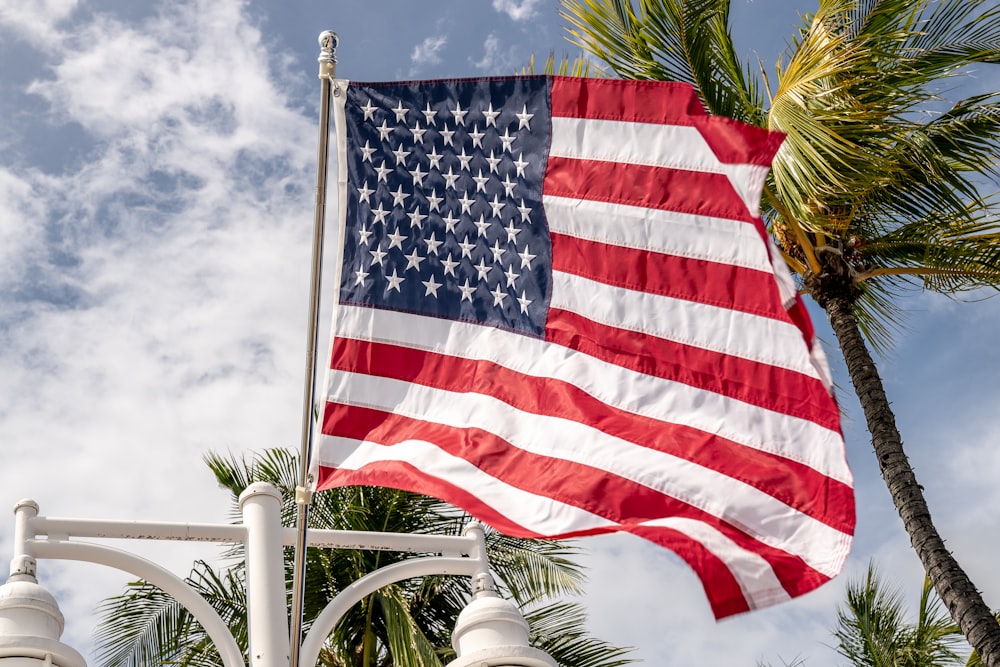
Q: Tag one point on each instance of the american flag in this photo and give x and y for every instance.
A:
(560, 311)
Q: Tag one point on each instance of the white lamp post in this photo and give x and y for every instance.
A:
(490, 632)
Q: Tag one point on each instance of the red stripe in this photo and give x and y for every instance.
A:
(792, 483)
(766, 386)
(694, 192)
(591, 489)
(795, 577)
(724, 594)
(735, 143)
(406, 477)
(663, 102)
(710, 283)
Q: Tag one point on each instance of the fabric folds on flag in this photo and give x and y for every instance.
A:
(559, 310)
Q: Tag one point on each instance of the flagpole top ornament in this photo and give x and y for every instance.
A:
(328, 42)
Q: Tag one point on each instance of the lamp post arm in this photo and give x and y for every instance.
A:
(368, 584)
(170, 583)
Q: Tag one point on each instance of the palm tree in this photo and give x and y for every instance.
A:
(405, 624)
(872, 630)
(876, 187)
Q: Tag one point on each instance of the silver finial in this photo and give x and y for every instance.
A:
(328, 42)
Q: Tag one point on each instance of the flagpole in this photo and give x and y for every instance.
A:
(328, 42)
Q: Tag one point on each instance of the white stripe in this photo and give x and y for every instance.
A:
(754, 512)
(723, 330)
(680, 234)
(760, 585)
(539, 514)
(642, 394)
(668, 146)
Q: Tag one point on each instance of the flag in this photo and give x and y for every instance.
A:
(559, 310)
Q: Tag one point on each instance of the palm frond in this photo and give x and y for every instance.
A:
(559, 630)
(142, 626)
(406, 642)
(530, 570)
(669, 40)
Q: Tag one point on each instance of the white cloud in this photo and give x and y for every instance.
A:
(37, 20)
(496, 58)
(518, 10)
(153, 298)
(427, 53)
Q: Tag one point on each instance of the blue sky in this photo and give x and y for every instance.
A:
(157, 164)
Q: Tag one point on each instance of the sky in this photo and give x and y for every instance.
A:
(157, 171)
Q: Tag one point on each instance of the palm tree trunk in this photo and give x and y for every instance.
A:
(953, 585)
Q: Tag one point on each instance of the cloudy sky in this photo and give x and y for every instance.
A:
(157, 163)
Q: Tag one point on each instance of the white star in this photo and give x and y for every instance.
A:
(416, 218)
(378, 255)
(507, 140)
(498, 252)
(361, 275)
(435, 158)
(525, 211)
(459, 114)
(525, 302)
(482, 225)
(467, 247)
(379, 214)
(383, 172)
(394, 282)
(466, 203)
(464, 159)
(413, 260)
(481, 181)
(396, 240)
(400, 113)
(508, 185)
(498, 296)
(511, 275)
(512, 232)
(363, 235)
(466, 291)
(418, 176)
(493, 162)
(520, 164)
(526, 258)
(433, 201)
(369, 110)
(447, 135)
(449, 265)
(399, 197)
(450, 178)
(432, 287)
(449, 222)
(367, 152)
(477, 136)
(401, 155)
(496, 205)
(364, 192)
(418, 133)
(524, 117)
(482, 269)
(491, 116)
(384, 131)
(433, 244)
(429, 114)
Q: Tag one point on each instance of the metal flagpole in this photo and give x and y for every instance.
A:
(328, 41)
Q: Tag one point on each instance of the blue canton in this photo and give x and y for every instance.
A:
(444, 200)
